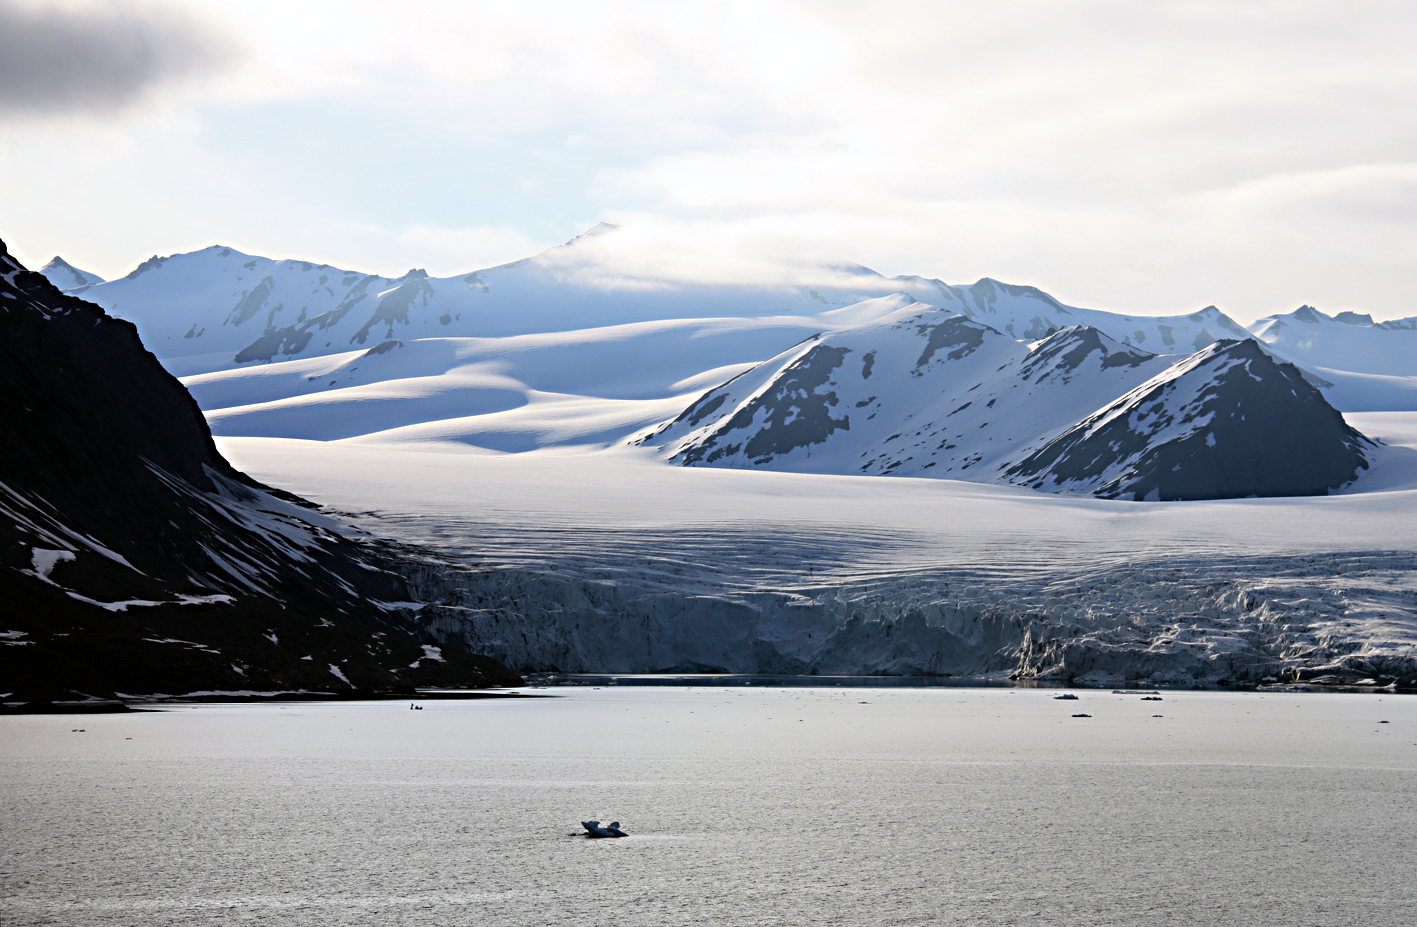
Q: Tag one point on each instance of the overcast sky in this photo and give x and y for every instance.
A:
(1148, 157)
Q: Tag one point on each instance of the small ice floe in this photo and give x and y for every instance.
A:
(594, 829)
(1066, 696)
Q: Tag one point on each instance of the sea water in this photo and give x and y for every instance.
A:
(753, 806)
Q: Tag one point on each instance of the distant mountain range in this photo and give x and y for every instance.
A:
(137, 560)
(1347, 341)
(557, 350)
(218, 308)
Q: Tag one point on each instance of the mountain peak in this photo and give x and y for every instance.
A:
(595, 231)
(1082, 334)
(1069, 347)
(66, 276)
(1214, 316)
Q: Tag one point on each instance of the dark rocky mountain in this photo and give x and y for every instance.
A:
(137, 560)
(1227, 422)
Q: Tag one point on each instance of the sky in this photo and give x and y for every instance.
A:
(1141, 157)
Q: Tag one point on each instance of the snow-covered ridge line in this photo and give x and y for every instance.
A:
(1348, 341)
(919, 392)
(66, 276)
(218, 308)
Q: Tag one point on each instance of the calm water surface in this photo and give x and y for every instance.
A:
(755, 807)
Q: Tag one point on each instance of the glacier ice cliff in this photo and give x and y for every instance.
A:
(721, 603)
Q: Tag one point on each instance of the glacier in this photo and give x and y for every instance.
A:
(608, 561)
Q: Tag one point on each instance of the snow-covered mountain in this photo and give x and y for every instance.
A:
(137, 559)
(66, 276)
(1348, 341)
(924, 391)
(1227, 422)
(1027, 313)
(218, 308)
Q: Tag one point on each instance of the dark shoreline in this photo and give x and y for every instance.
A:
(118, 706)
